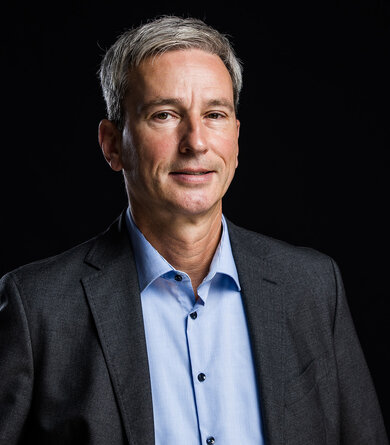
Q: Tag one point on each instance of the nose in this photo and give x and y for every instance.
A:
(193, 136)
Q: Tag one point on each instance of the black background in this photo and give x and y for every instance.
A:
(314, 141)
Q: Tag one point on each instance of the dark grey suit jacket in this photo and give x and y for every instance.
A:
(73, 359)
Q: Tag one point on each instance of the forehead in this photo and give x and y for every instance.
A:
(181, 73)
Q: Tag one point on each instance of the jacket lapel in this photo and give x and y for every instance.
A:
(261, 290)
(114, 298)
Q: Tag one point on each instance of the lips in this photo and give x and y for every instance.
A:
(192, 177)
(191, 172)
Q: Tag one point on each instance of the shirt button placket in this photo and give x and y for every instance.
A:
(194, 333)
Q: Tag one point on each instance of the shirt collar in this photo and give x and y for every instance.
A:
(151, 265)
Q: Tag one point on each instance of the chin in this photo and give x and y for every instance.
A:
(196, 207)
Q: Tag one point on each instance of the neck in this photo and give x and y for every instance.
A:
(188, 243)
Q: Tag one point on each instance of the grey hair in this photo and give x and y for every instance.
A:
(166, 33)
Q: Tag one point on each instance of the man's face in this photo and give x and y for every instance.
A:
(180, 139)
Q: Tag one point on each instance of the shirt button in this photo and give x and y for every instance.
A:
(178, 277)
(193, 315)
(210, 440)
(202, 378)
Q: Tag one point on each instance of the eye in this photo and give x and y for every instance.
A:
(162, 116)
(215, 115)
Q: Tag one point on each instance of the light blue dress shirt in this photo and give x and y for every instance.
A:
(202, 374)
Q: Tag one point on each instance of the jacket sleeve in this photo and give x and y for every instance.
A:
(16, 363)
(361, 418)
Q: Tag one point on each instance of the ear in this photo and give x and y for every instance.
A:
(110, 142)
(238, 134)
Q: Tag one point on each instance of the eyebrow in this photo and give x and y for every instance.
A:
(221, 102)
(160, 101)
(178, 101)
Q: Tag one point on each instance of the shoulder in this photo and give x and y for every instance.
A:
(55, 285)
(56, 269)
(295, 266)
(77, 261)
(309, 280)
(271, 249)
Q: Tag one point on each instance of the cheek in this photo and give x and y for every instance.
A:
(228, 151)
(225, 144)
(155, 151)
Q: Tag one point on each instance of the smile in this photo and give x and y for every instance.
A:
(193, 177)
(190, 173)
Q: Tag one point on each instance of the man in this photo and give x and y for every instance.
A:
(176, 326)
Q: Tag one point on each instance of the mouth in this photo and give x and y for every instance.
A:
(189, 177)
(192, 172)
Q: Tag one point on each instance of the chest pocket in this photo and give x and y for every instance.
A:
(304, 417)
(298, 387)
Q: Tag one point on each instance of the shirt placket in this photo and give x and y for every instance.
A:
(202, 373)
